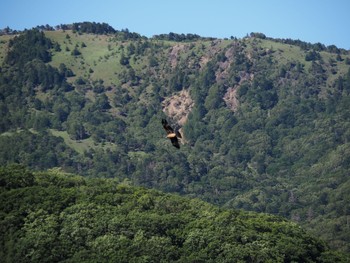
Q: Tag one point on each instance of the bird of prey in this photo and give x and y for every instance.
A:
(171, 134)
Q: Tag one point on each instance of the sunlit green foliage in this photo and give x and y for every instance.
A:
(53, 216)
(281, 149)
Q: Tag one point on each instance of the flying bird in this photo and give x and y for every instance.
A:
(171, 134)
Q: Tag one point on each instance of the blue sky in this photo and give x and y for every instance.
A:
(324, 21)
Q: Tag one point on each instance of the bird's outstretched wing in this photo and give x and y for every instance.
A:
(175, 142)
(167, 127)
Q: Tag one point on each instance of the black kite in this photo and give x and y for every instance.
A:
(171, 134)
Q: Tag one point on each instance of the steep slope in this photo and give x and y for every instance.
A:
(178, 106)
(266, 121)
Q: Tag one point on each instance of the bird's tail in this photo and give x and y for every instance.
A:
(178, 134)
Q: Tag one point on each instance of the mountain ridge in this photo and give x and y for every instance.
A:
(92, 104)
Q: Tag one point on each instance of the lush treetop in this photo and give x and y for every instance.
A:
(53, 216)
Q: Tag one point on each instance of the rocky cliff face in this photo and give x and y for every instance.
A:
(178, 106)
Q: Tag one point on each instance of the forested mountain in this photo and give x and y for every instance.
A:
(58, 217)
(266, 122)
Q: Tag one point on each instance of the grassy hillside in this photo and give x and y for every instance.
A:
(267, 129)
(53, 217)
(97, 60)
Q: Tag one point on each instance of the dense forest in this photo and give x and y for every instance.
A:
(266, 122)
(57, 217)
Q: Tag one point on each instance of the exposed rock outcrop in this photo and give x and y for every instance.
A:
(178, 106)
